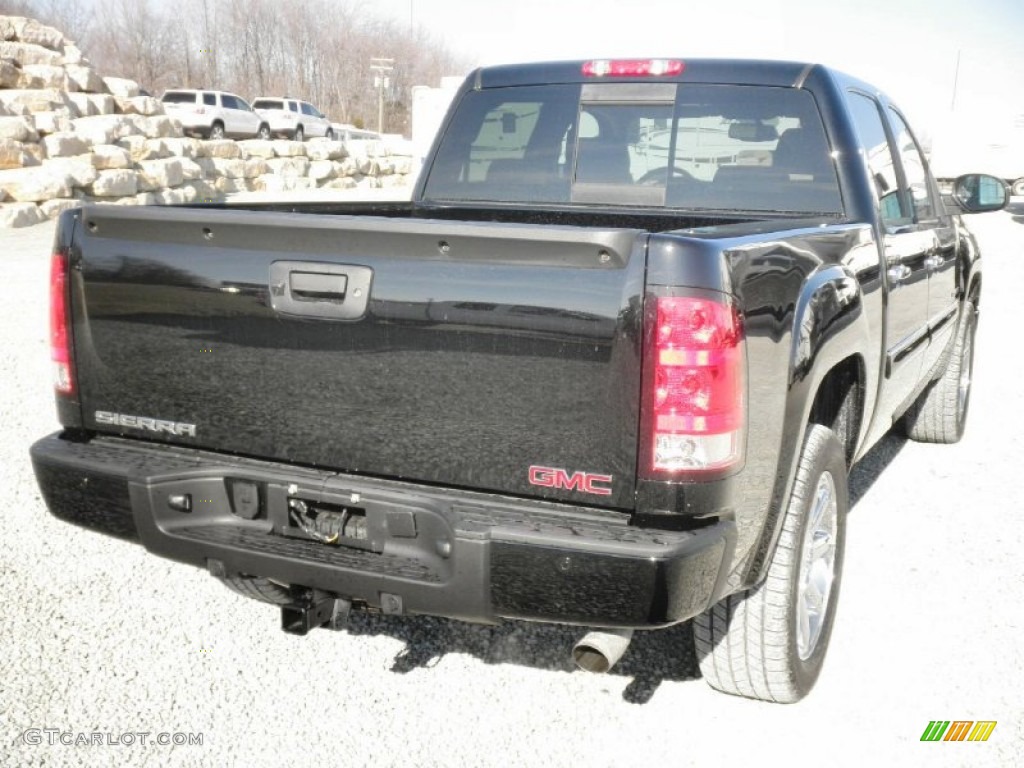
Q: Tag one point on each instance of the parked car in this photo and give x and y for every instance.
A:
(215, 114)
(292, 118)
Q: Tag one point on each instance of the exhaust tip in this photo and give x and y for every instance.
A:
(590, 659)
(599, 651)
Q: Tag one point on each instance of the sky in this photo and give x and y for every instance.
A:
(907, 48)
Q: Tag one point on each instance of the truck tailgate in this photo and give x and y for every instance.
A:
(463, 354)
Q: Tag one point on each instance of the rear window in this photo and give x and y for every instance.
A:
(179, 97)
(268, 104)
(714, 147)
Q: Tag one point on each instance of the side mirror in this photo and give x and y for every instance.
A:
(979, 193)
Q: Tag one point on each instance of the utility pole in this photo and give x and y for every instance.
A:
(382, 68)
(956, 81)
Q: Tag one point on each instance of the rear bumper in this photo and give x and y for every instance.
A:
(465, 555)
(190, 121)
(280, 126)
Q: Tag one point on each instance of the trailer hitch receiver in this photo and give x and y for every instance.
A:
(315, 609)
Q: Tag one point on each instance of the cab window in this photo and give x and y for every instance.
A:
(914, 169)
(868, 121)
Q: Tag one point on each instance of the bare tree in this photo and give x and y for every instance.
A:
(318, 50)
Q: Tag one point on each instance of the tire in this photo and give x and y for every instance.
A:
(750, 644)
(299, 135)
(264, 132)
(217, 130)
(940, 413)
(261, 589)
(329, 135)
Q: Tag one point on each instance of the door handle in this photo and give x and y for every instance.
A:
(315, 289)
(898, 273)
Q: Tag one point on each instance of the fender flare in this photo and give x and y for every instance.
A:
(830, 325)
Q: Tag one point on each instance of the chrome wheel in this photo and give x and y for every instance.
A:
(817, 566)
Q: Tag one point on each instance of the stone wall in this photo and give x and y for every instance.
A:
(68, 135)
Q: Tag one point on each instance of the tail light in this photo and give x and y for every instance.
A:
(60, 338)
(694, 408)
(632, 68)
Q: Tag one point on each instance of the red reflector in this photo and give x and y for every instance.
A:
(60, 347)
(694, 400)
(632, 68)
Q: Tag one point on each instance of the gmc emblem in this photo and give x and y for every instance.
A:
(550, 477)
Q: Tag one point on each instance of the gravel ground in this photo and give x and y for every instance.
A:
(99, 636)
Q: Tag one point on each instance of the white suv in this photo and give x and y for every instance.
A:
(215, 114)
(292, 118)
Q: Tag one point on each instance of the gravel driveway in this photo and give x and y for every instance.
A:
(98, 636)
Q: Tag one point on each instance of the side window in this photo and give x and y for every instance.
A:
(307, 109)
(868, 120)
(293, 106)
(210, 99)
(228, 102)
(242, 104)
(914, 168)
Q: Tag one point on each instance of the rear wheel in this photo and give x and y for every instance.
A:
(217, 130)
(940, 413)
(299, 135)
(258, 588)
(769, 642)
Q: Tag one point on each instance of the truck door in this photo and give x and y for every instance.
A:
(906, 246)
(941, 259)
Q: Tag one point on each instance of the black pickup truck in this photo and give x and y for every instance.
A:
(609, 367)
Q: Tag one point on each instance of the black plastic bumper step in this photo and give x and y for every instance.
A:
(311, 551)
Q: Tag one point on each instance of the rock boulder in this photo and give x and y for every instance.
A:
(27, 53)
(115, 183)
(33, 185)
(107, 157)
(20, 215)
(64, 144)
(122, 88)
(18, 129)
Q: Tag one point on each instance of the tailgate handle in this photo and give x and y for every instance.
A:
(313, 286)
(315, 289)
